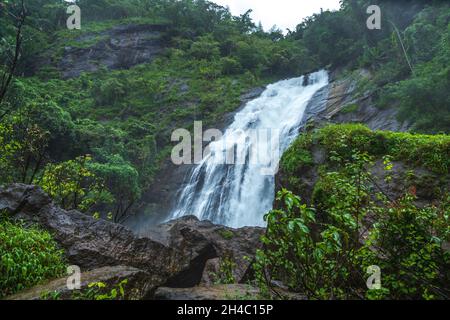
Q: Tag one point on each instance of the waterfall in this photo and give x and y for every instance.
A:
(239, 192)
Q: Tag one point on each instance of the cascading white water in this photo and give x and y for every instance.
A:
(239, 194)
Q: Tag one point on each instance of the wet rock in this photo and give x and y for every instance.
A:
(219, 292)
(137, 285)
(91, 243)
(237, 247)
(211, 272)
(252, 94)
(341, 102)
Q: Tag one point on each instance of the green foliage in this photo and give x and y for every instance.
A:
(406, 242)
(357, 221)
(421, 96)
(28, 257)
(341, 142)
(110, 91)
(308, 258)
(225, 273)
(122, 180)
(100, 291)
(49, 117)
(335, 37)
(423, 99)
(226, 234)
(230, 66)
(324, 251)
(23, 150)
(205, 48)
(73, 185)
(422, 150)
(298, 155)
(8, 148)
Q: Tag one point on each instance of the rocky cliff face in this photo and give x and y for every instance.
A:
(342, 102)
(120, 47)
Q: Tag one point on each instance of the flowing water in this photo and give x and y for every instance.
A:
(234, 185)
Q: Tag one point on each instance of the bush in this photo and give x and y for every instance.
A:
(73, 185)
(28, 257)
(324, 251)
(406, 243)
(230, 66)
(430, 151)
(205, 48)
(295, 254)
(122, 181)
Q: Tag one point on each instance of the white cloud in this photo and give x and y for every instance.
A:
(283, 13)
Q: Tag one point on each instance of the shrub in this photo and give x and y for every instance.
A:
(406, 242)
(430, 151)
(324, 251)
(100, 291)
(28, 257)
(231, 66)
(73, 185)
(205, 48)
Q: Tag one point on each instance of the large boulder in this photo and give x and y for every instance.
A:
(173, 254)
(223, 292)
(91, 243)
(218, 292)
(137, 286)
(204, 241)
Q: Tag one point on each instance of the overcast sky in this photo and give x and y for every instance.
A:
(283, 13)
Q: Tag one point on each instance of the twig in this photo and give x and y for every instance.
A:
(403, 47)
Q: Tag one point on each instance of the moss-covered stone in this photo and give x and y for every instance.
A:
(419, 161)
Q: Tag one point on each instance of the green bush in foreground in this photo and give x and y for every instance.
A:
(28, 256)
(326, 250)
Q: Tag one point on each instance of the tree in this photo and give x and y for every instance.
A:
(73, 185)
(324, 251)
(32, 155)
(122, 180)
(12, 59)
(205, 48)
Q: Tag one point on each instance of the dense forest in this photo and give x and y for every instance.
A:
(95, 138)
